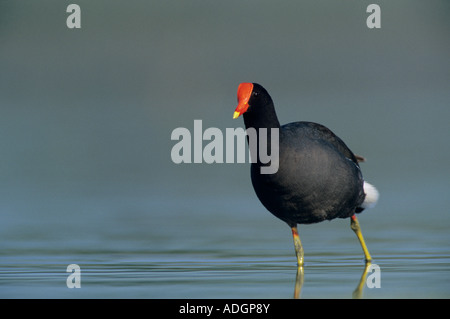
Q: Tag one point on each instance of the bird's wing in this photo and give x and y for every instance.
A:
(320, 131)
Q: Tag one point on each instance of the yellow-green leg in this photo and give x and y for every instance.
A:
(298, 245)
(354, 224)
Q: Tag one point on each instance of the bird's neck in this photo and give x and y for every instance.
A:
(265, 118)
(262, 116)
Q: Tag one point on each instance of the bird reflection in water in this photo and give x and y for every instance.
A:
(299, 281)
(357, 293)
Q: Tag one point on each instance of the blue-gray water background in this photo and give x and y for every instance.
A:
(86, 175)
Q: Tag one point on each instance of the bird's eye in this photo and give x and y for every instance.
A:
(255, 93)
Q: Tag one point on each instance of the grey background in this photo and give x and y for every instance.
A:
(86, 117)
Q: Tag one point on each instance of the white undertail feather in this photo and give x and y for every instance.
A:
(371, 195)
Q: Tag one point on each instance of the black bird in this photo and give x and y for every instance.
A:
(318, 176)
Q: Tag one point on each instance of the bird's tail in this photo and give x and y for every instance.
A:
(372, 196)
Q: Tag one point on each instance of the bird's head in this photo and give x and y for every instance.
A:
(248, 95)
